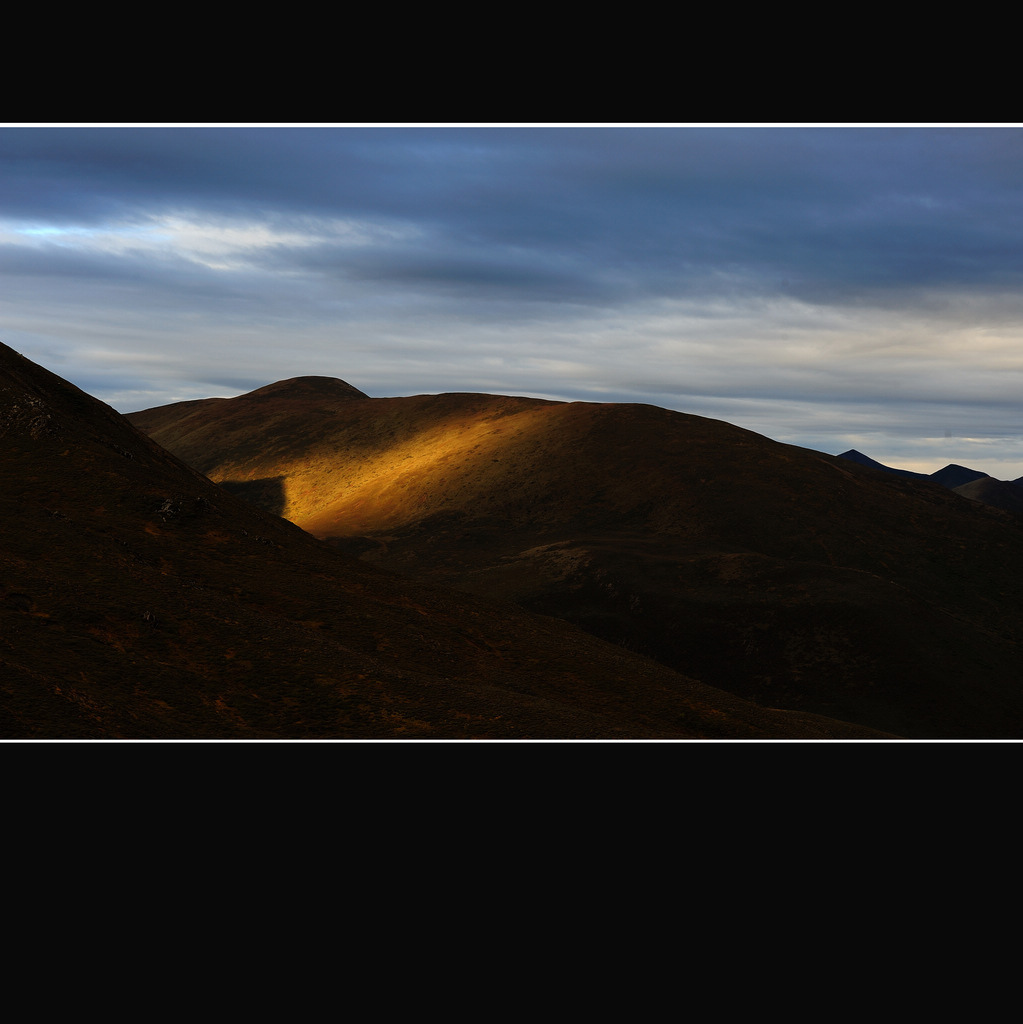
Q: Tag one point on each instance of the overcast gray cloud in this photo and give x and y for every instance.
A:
(830, 287)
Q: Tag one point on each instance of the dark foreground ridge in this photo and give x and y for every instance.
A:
(140, 600)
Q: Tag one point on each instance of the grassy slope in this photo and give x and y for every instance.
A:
(140, 600)
(786, 576)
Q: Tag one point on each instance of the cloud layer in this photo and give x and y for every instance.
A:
(829, 287)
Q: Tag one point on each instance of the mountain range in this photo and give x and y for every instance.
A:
(970, 483)
(307, 562)
(141, 600)
(783, 576)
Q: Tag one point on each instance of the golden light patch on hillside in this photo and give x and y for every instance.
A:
(343, 473)
(437, 469)
(379, 465)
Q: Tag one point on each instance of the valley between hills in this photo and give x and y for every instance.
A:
(308, 562)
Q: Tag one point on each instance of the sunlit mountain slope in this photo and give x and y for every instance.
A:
(781, 574)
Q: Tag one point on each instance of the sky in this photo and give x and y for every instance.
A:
(829, 286)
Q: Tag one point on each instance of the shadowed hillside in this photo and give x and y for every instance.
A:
(783, 575)
(997, 493)
(138, 599)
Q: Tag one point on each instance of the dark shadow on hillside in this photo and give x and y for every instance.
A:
(266, 494)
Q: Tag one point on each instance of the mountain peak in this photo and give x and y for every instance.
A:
(955, 476)
(865, 460)
(308, 387)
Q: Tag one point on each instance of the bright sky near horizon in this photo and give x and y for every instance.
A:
(833, 286)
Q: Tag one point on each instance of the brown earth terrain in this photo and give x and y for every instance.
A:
(140, 600)
(789, 578)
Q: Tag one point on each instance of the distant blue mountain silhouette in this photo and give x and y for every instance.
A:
(864, 460)
(955, 476)
(970, 483)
